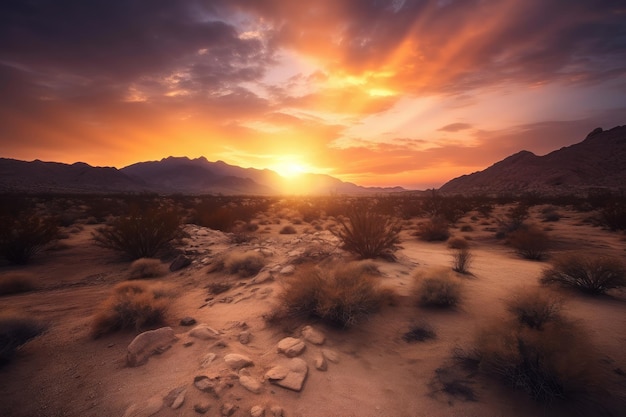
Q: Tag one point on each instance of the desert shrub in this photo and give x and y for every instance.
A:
(218, 287)
(587, 273)
(549, 214)
(458, 243)
(146, 268)
(514, 220)
(22, 236)
(419, 333)
(613, 216)
(467, 228)
(367, 232)
(245, 264)
(534, 308)
(133, 305)
(140, 234)
(287, 230)
(435, 229)
(15, 282)
(16, 330)
(437, 288)
(530, 242)
(461, 260)
(342, 295)
(551, 364)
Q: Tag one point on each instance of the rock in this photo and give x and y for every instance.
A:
(228, 409)
(277, 373)
(291, 347)
(288, 270)
(149, 343)
(175, 398)
(320, 363)
(145, 409)
(202, 407)
(207, 360)
(313, 336)
(187, 321)
(297, 370)
(251, 384)
(261, 278)
(237, 361)
(206, 384)
(276, 411)
(257, 411)
(204, 332)
(180, 262)
(331, 355)
(244, 337)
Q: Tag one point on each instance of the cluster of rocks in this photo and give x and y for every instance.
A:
(289, 371)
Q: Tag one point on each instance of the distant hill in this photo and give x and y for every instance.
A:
(599, 161)
(169, 175)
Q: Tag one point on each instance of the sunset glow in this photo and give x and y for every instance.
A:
(398, 92)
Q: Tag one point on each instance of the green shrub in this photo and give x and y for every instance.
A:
(367, 233)
(16, 330)
(23, 236)
(140, 234)
(133, 305)
(437, 288)
(587, 273)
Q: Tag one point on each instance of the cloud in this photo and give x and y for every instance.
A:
(455, 127)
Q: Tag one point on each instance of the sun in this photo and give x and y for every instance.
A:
(289, 170)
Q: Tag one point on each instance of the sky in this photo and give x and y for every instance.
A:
(380, 93)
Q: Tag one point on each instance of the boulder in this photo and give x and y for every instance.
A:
(293, 379)
(149, 343)
(312, 335)
(236, 361)
(291, 347)
(204, 332)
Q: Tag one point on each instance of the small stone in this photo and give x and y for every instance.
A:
(244, 337)
(228, 409)
(180, 262)
(313, 336)
(204, 332)
(237, 361)
(205, 384)
(250, 383)
(202, 407)
(331, 355)
(288, 270)
(175, 398)
(257, 411)
(149, 343)
(320, 363)
(291, 347)
(297, 370)
(276, 411)
(188, 343)
(207, 360)
(187, 321)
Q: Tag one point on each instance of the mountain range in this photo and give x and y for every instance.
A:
(599, 161)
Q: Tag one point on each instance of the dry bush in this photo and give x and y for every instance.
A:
(146, 268)
(16, 330)
(142, 234)
(534, 307)
(435, 229)
(587, 273)
(550, 214)
(419, 333)
(287, 230)
(367, 232)
(461, 260)
(458, 243)
(341, 295)
(467, 228)
(245, 264)
(216, 288)
(530, 242)
(16, 282)
(437, 288)
(24, 235)
(133, 305)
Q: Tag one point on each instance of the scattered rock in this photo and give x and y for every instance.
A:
(313, 336)
(291, 347)
(228, 409)
(257, 411)
(180, 262)
(244, 337)
(149, 343)
(207, 360)
(187, 321)
(276, 411)
(206, 384)
(204, 332)
(188, 343)
(145, 409)
(288, 270)
(250, 383)
(331, 355)
(277, 373)
(297, 370)
(261, 278)
(320, 363)
(202, 407)
(175, 398)
(237, 361)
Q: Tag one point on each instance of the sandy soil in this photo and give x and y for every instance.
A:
(66, 373)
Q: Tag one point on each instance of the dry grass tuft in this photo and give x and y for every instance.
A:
(586, 273)
(437, 288)
(244, 264)
(419, 333)
(16, 330)
(461, 260)
(146, 268)
(535, 307)
(16, 282)
(458, 243)
(133, 305)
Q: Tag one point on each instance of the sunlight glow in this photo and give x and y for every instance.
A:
(289, 170)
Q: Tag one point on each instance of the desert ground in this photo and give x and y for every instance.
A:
(366, 370)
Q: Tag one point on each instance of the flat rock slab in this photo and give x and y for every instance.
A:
(312, 335)
(291, 376)
(149, 343)
(236, 361)
(204, 332)
(291, 347)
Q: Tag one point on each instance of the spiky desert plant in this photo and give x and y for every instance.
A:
(367, 232)
(587, 273)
